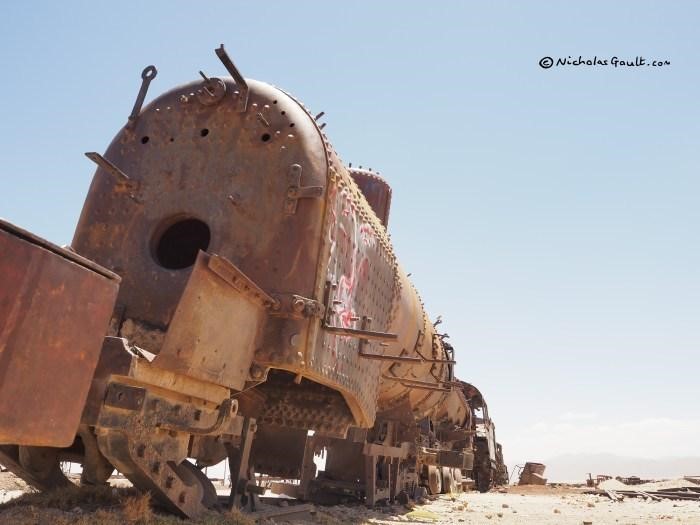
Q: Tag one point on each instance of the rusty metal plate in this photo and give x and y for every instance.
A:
(217, 167)
(361, 272)
(308, 405)
(376, 191)
(216, 324)
(54, 310)
(452, 458)
(279, 451)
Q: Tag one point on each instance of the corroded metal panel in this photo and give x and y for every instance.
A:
(307, 405)
(367, 290)
(54, 310)
(216, 325)
(360, 293)
(376, 191)
(279, 451)
(204, 175)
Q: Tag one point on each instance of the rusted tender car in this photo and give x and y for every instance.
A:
(230, 287)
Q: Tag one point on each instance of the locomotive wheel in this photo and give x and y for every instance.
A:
(420, 494)
(482, 467)
(191, 474)
(38, 466)
(434, 480)
(96, 468)
(43, 467)
(447, 481)
(457, 473)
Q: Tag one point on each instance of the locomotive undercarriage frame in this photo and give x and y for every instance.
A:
(135, 422)
(393, 461)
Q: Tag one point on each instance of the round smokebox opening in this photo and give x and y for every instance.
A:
(177, 246)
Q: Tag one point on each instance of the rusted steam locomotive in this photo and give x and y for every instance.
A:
(230, 293)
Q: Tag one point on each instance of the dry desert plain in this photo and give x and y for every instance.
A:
(559, 505)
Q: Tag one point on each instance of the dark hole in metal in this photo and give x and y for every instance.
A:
(265, 137)
(145, 139)
(178, 245)
(204, 132)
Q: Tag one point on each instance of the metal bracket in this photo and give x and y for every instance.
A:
(419, 339)
(401, 359)
(436, 360)
(419, 342)
(233, 275)
(237, 77)
(381, 336)
(125, 397)
(167, 416)
(123, 184)
(296, 191)
(362, 334)
(328, 294)
(422, 385)
(212, 91)
(365, 323)
(227, 410)
(296, 306)
(148, 74)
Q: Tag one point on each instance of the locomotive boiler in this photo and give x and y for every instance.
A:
(230, 293)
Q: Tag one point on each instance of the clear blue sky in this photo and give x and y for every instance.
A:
(551, 216)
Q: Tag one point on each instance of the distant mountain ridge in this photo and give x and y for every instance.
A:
(574, 468)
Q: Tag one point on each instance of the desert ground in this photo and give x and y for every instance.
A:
(514, 505)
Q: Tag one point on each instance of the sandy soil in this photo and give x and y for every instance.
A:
(11, 487)
(517, 505)
(543, 506)
(9, 481)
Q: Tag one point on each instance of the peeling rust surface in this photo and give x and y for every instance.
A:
(376, 191)
(216, 325)
(53, 314)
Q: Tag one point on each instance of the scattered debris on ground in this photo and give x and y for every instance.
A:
(678, 489)
(532, 474)
(534, 504)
